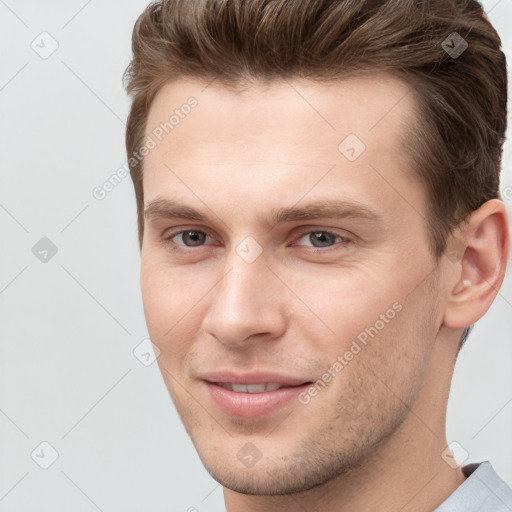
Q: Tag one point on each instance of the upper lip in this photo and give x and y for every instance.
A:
(252, 378)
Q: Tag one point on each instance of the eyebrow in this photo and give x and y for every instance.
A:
(329, 208)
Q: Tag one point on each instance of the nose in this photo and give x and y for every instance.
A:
(247, 304)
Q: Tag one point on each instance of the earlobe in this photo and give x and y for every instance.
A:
(479, 272)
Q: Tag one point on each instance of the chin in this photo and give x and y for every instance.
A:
(262, 482)
(278, 475)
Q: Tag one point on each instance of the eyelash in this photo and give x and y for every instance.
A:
(343, 240)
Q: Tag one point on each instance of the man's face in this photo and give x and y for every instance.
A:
(308, 269)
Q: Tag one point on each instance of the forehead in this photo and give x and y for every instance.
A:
(377, 108)
(276, 133)
(368, 105)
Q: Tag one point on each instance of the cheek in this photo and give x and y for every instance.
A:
(336, 306)
(385, 313)
(162, 296)
(156, 299)
(173, 307)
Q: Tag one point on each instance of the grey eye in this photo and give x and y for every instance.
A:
(192, 238)
(321, 238)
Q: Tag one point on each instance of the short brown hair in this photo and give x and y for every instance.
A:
(456, 143)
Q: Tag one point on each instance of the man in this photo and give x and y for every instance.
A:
(320, 224)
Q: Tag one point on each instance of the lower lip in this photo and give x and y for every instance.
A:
(251, 405)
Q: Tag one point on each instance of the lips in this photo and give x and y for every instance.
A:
(231, 377)
(250, 388)
(251, 394)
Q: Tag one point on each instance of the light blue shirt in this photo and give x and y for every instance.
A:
(482, 491)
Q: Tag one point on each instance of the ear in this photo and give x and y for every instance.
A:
(480, 265)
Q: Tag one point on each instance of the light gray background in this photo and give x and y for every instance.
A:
(68, 327)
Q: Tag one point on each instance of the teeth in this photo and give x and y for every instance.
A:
(251, 388)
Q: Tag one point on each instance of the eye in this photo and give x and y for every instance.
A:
(189, 238)
(316, 239)
(319, 239)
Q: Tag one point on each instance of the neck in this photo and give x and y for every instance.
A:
(405, 472)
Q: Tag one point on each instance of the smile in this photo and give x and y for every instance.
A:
(250, 388)
(252, 400)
